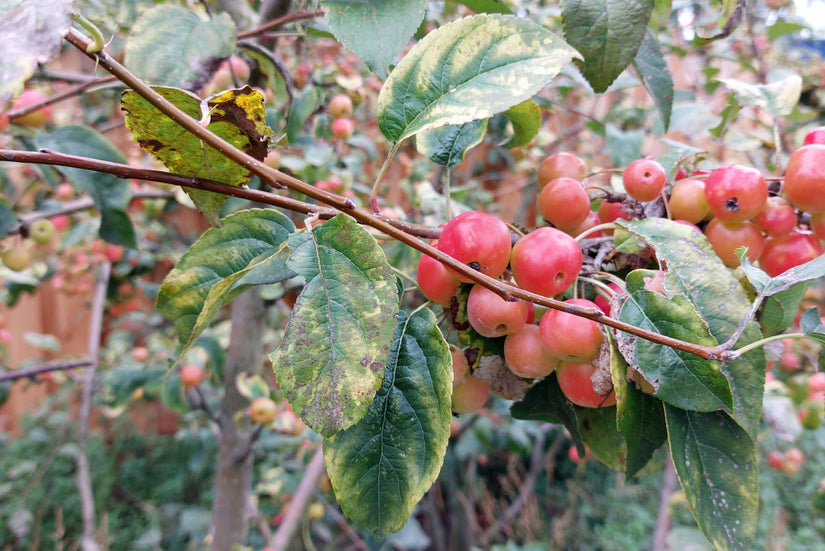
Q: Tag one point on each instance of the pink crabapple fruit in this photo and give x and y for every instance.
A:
(570, 337)
(478, 239)
(546, 261)
(492, 316)
(644, 179)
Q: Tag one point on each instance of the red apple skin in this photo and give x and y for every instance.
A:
(492, 316)
(570, 337)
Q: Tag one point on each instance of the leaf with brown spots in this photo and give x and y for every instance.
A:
(335, 347)
(237, 116)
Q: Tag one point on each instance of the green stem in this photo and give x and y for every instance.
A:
(97, 38)
(766, 340)
(374, 191)
(594, 229)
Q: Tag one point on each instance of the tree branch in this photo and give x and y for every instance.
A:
(84, 481)
(281, 21)
(343, 204)
(298, 503)
(33, 372)
(77, 90)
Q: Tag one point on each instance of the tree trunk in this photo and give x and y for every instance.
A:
(233, 479)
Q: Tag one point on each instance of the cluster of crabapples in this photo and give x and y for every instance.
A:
(733, 205)
(546, 262)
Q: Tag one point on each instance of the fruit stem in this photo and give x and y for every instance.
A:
(380, 176)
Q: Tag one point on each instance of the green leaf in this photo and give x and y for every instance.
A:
(777, 98)
(783, 28)
(728, 115)
(447, 145)
(526, 120)
(694, 271)
(110, 194)
(303, 105)
(768, 286)
(779, 310)
(7, 217)
(488, 6)
(608, 34)
(811, 325)
(251, 386)
(716, 464)
(679, 378)
(467, 70)
(381, 467)
(546, 402)
(32, 32)
(172, 394)
(624, 146)
(210, 273)
(237, 116)
(640, 418)
(676, 154)
(652, 68)
(375, 30)
(174, 46)
(334, 352)
(49, 343)
(597, 427)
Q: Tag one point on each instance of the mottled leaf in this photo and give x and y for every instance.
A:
(777, 98)
(31, 32)
(526, 120)
(694, 271)
(679, 378)
(211, 272)
(110, 194)
(716, 463)
(174, 46)
(652, 68)
(335, 347)
(382, 466)
(467, 70)
(237, 116)
(607, 33)
(447, 145)
(376, 30)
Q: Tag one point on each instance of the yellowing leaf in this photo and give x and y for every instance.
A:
(237, 116)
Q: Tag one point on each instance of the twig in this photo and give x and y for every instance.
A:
(504, 290)
(77, 205)
(295, 510)
(84, 482)
(280, 21)
(129, 172)
(77, 90)
(346, 528)
(32, 372)
(663, 519)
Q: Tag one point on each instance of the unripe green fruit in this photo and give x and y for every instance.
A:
(262, 410)
(41, 231)
(17, 258)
